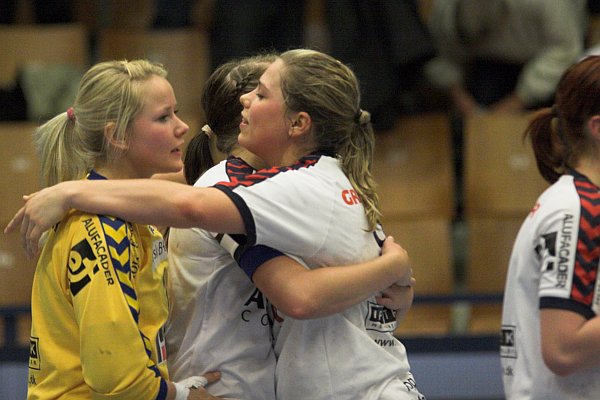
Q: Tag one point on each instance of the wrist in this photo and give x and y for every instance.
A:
(181, 392)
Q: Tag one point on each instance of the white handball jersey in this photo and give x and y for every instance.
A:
(311, 212)
(218, 318)
(554, 264)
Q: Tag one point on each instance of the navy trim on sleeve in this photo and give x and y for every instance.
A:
(255, 256)
(244, 212)
(162, 391)
(567, 304)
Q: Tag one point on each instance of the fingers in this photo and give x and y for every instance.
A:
(15, 221)
(212, 376)
(30, 237)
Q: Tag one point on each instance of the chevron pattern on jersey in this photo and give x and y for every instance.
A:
(117, 234)
(245, 176)
(588, 242)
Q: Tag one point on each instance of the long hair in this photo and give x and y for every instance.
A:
(222, 109)
(558, 134)
(109, 92)
(329, 92)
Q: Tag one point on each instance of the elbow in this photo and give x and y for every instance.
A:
(300, 307)
(560, 364)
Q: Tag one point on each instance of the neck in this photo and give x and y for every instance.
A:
(252, 159)
(590, 168)
(115, 170)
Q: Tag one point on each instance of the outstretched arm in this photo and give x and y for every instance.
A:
(312, 293)
(146, 201)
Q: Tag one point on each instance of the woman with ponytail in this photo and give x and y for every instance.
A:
(317, 204)
(550, 324)
(215, 308)
(99, 301)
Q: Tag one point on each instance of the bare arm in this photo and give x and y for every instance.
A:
(302, 293)
(569, 341)
(145, 201)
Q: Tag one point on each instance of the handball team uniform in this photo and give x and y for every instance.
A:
(218, 320)
(102, 279)
(554, 264)
(310, 212)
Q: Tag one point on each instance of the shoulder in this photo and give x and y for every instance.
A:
(311, 165)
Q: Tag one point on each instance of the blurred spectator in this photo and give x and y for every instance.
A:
(245, 28)
(45, 12)
(507, 55)
(172, 14)
(386, 44)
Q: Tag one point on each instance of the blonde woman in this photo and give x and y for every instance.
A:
(99, 300)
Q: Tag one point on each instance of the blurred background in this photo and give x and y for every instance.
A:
(450, 87)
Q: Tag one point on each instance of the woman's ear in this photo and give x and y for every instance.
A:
(301, 124)
(109, 136)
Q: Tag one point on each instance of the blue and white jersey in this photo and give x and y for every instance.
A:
(554, 264)
(218, 319)
(311, 212)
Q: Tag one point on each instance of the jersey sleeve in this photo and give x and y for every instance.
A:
(568, 249)
(270, 208)
(115, 354)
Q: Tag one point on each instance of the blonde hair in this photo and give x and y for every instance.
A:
(109, 92)
(329, 92)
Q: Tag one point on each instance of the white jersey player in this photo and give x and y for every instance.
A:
(550, 323)
(350, 355)
(554, 264)
(218, 319)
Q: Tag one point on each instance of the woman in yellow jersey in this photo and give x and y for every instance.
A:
(99, 299)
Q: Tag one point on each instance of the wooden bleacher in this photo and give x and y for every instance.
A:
(501, 185)
(413, 168)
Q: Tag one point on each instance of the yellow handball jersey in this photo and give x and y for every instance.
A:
(98, 307)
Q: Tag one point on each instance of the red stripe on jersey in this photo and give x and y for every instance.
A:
(588, 242)
(237, 177)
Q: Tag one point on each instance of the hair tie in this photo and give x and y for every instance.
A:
(71, 113)
(554, 111)
(207, 131)
(362, 117)
(357, 116)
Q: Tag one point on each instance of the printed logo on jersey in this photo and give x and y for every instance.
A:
(380, 318)
(159, 253)
(555, 250)
(96, 241)
(34, 353)
(82, 262)
(161, 346)
(256, 307)
(350, 197)
(508, 347)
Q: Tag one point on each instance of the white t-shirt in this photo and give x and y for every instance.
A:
(218, 319)
(554, 264)
(310, 211)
